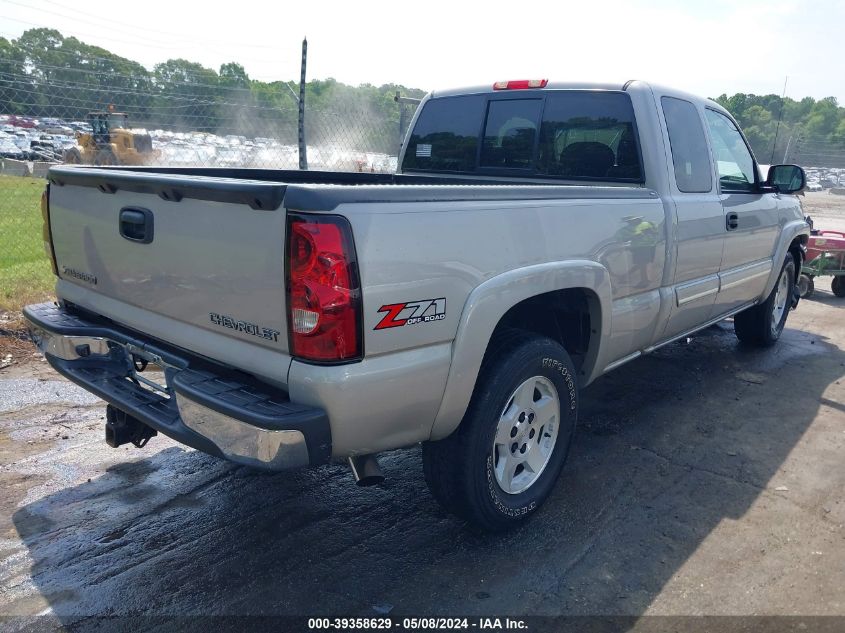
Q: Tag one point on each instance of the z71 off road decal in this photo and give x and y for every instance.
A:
(412, 313)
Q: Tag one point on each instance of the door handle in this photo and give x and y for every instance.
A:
(136, 224)
(732, 221)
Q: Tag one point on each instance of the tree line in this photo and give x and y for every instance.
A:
(807, 131)
(44, 74)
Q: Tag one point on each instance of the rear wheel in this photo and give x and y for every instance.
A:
(838, 286)
(762, 324)
(503, 461)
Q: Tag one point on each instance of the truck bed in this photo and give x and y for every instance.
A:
(212, 279)
(266, 189)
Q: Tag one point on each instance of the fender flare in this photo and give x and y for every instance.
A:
(489, 302)
(790, 231)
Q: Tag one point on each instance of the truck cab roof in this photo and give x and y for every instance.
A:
(581, 85)
(551, 85)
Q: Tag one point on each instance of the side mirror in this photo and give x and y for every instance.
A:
(786, 178)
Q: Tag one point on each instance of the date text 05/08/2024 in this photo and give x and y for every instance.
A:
(422, 623)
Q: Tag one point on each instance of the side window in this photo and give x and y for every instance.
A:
(589, 136)
(445, 137)
(690, 154)
(733, 159)
(510, 133)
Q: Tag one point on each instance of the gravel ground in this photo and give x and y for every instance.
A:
(704, 479)
(826, 209)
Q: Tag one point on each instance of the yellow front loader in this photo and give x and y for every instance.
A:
(111, 142)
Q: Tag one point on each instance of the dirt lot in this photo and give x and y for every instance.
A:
(826, 209)
(705, 479)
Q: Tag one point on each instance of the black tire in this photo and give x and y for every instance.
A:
(72, 156)
(838, 286)
(756, 326)
(806, 286)
(106, 157)
(460, 469)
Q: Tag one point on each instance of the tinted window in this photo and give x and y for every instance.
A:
(445, 137)
(733, 159)
(509, 133)
(589, 135)
(690, 153)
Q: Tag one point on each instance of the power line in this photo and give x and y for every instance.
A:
(100, 36)
(114, 92)
(780, 116)
(143, 35)
(104, 22)
(150, 74)
(71, 100)
(167, 34)
(105, 73)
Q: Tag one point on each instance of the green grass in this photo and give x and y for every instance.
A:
(25, 274)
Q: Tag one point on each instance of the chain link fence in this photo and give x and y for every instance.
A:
(59, 115)
(195, 124)
(105, 111)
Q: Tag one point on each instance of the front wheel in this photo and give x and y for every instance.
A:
(838, 286)
(72, 156)
(106, 157)
(762, 324)
(503, 461)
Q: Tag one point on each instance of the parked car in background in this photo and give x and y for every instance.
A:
(8, 149)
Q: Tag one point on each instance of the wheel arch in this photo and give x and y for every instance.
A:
(501, 302)
(793, 239)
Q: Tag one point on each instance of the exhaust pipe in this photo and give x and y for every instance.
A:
(366, 470)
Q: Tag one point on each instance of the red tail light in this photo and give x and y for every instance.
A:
(324, 294)
(520, 84)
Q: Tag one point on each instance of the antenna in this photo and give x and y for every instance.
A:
(780, 116)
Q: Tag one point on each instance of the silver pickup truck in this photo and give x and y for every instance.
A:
(536, 236)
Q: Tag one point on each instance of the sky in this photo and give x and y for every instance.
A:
(706, 48)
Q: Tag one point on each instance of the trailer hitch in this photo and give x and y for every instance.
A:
(122, 428)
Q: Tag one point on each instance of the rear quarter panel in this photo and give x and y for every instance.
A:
(417, 251)
(422, 251)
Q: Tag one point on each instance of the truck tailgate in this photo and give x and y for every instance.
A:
(205, 252)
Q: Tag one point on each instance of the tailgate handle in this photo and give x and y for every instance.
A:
(136, 224)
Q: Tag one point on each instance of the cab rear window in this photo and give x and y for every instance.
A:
(445, 137)
(566, 134)
(589, 136)
(510, 133)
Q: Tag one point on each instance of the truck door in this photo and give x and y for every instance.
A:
(751, 217)
(700, 230)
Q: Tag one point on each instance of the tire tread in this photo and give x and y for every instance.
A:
(752, 326)
(448, 474)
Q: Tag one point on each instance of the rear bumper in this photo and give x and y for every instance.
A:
(202, 405)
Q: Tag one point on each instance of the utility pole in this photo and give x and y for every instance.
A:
(402, 101)
(780, 116)
(303, 156)
(786, 152)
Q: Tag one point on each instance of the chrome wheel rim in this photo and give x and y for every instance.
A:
(781, 298)
(526, 435)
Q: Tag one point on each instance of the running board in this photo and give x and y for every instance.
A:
(698, 328)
